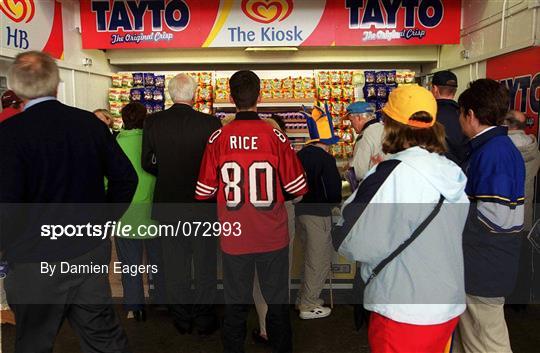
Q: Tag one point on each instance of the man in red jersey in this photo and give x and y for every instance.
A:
(252, 169)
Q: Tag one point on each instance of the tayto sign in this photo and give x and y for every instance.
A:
(239, 23)
(129, 17)
(29, 24)
(387, 21)
(146, 23)
(520, 72)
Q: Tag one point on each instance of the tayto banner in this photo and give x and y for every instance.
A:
(110, 24)
(520, 72)
(384, 23)
(146, 23)
(397, 22)
(32, 25)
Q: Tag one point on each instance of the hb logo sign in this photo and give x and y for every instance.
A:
(17, 11)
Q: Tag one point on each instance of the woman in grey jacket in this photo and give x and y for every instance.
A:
(417, 297)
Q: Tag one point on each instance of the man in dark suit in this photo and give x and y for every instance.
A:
(173, 144)
(53, 164)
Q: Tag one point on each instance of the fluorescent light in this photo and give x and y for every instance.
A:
(270, 49)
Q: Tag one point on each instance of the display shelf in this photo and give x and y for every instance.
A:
(299, 120)
(267, 104)
(298, 134)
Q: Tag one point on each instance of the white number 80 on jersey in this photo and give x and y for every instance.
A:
(262, 185)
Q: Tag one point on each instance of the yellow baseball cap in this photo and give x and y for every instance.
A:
(407, 100)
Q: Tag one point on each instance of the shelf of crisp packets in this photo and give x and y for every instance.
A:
(338, 88)
(379, 84)
(151, 90)
(274, 90)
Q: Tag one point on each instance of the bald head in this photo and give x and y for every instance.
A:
(515, 120)
(33, 74)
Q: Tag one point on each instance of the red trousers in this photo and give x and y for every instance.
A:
(388, 336)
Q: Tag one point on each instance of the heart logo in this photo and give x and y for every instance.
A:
(267, 11)
(18, 10)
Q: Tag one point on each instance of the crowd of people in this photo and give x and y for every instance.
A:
(442, 195)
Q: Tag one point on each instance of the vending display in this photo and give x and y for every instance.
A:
(150, 89)
(282, 94)
(145, 88)
(335, 88)
(335, 91)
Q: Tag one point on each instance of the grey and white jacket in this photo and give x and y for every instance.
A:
(424, 285)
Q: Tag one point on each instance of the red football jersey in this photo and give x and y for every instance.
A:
(250, 165)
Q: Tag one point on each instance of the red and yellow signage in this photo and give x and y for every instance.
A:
(30, 24)
(267, 11)
(18, 10)
(523, 81)
(108, 24)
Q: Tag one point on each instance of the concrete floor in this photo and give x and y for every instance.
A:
(334, 334)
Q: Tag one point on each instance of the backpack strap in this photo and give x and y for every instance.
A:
(407, 242)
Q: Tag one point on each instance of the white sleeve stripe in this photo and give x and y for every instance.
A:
(205, 187)
(203, 192)
(294, 191)
(197, 192)
(293, 182)
(295, 185)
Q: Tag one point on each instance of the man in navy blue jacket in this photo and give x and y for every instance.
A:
(443, 87)
(492, 237)
(53, 163)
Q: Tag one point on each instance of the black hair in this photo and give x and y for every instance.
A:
(245, 86)
(488, 99)
(133, 115)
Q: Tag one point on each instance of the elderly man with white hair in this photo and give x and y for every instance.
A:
(173, 144)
